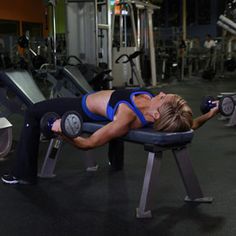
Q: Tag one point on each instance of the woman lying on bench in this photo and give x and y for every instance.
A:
(125, 109)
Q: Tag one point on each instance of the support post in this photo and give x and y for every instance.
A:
(149, 185)
(191, 184)
(50, 160)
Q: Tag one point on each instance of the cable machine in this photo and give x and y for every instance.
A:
(89, 31)
(132, 30)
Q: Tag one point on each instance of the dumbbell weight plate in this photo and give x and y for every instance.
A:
(71, 124)
(226, 106)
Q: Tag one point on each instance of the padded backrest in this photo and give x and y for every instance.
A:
(23, 85)
(147, 135)
(77, 78)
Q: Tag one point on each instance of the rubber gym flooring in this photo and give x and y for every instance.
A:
(80, 203)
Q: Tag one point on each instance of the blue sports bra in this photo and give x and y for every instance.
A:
(117, 97)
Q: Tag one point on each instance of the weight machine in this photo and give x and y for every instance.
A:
(89, 39)
(227, 22)
(127, 40)
(79, 72)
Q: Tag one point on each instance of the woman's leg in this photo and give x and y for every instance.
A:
(27, 148)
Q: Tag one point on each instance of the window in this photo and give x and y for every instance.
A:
(173, 13)
(204, 12)
(191, 12)
(35, 29)
(9, 27)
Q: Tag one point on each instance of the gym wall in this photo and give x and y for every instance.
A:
(32, 11)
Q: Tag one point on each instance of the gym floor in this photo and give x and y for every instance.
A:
(77, 202)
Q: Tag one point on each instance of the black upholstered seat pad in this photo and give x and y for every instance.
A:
(147, 135)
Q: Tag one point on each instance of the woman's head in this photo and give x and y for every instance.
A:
(175, 115)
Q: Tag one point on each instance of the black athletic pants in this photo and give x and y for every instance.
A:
(28, 146)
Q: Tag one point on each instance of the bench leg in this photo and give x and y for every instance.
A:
(90, 161)
(48, 167)
(149, 185)
(191, 184)
(116, 154)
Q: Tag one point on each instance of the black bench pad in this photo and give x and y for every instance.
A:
(147, 135)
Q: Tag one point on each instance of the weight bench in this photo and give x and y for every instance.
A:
(5, 137)
(75, 76)
(17, 91)
(67, 81)
(155, 143)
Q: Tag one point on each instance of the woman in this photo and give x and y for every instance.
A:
(124, 109)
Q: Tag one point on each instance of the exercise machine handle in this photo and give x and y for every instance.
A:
(122, 55)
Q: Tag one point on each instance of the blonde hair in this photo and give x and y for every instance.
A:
(175, 116)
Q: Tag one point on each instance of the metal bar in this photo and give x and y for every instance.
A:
(103, 26)
(54, 35)
(152, 48)
(96, 32)
(184, 18)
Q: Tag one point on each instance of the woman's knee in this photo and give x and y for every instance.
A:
(32, 113)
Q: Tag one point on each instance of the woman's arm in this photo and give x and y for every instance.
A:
(200, 120)
(117, 128)
(102, 136)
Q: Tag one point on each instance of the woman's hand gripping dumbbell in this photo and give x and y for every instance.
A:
(70, 124)
(225, 105)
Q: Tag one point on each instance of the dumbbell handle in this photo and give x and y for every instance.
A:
(57, 128)
(50, 123)
(211, 104)
(46, 124)
(207, 104)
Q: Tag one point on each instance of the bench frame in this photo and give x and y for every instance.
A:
(190, 181)
(149, 189)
